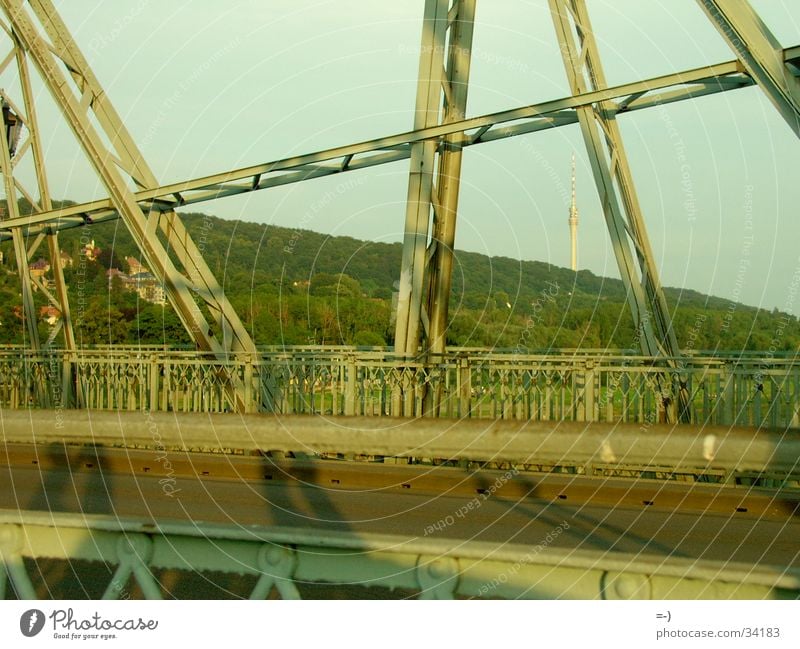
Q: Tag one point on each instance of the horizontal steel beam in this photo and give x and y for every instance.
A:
(676, 447)
(293, 555)
(477, 130)
(574, 355)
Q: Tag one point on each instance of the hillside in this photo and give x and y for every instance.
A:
(295, 286)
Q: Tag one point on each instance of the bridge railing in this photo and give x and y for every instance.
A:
(612, 387)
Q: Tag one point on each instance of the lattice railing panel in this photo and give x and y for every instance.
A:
(735, 390)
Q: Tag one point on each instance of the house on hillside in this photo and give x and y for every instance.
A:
(143, 282)
(135, 267)
(148, 288)
(111, 273)
(91, 251)
(50, 315)
(65, 259)
(39, 268)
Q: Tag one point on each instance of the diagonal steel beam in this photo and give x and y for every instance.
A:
(614, 180)
(760, 53)
(125, 160)
(20, 249)
(45, 203)
(133, 163)
(49, 58)
(10, 124)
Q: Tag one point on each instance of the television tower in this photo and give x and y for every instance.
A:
(573, 221)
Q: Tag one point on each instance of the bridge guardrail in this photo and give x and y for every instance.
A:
(733, 390)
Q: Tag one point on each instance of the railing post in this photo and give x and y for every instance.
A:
(397, 393)
(350, 387)
(578, 405)
(588, 392)
(758, 395)
(165, 386)
(248, 385)
(81, 396)
(68, 399)
(505, 395)
(547, 404)
(464, 387)
(153, 375)
(727, 395)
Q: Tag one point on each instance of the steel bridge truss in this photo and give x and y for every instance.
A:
(441, 131)
(281, 563)
(38, 33)
(131, 554)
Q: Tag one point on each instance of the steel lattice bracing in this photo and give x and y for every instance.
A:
(16, 122)
(276, 562)
(20, 251)
(441, 132)
(41, 35)
(626, 98)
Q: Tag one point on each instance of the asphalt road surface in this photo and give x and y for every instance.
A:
(701, 521)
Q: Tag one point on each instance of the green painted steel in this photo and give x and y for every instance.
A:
(434, 178)
(251, 384)
(740, 390)
(629, 97)
(119, 166)
(760, 53)
(726, 456)
(283, 559)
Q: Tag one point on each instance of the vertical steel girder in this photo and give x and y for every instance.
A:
(76, 100)
(45, 202)
(760, 53)
(29, 119)
(449, 174)
(20, 251)
(10, 127)
(614, 181)
(425, 279)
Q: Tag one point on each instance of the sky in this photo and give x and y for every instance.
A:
(205, 87)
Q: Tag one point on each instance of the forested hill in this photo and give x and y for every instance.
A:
(296, 286)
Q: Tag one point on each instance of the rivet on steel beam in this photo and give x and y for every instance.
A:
(134, 548)
(277, 565)
(438, 578)
(10, 540)
(278, 559)
(625, 585)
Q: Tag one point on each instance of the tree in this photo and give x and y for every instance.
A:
(339, 285)
(502, 299)
(369, 339)
(101, 324)
(157, 325)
